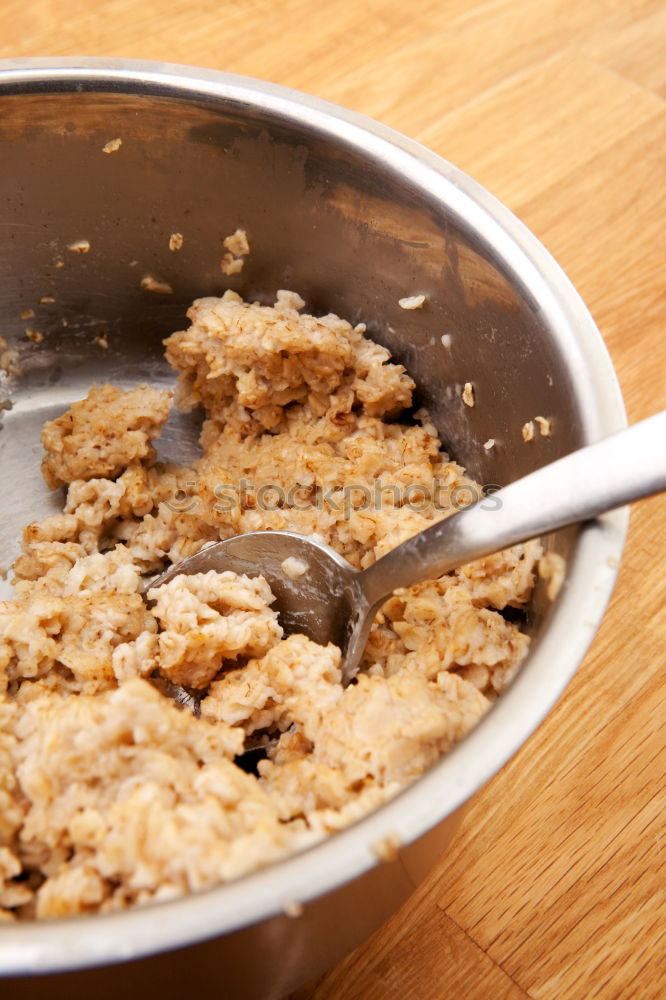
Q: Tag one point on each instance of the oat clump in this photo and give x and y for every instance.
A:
(103, 433)
(237, 248)
(112, 793)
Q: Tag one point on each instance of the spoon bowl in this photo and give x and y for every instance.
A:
(319, 596)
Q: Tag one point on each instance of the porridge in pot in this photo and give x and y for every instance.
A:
(111, 793)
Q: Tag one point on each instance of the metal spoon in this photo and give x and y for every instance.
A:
(334, 602)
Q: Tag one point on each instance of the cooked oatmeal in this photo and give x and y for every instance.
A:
(528, 431)
(151, 284)
(412, 302)
(237, 247)
(112, 793)
(79, 246)
(468, 394)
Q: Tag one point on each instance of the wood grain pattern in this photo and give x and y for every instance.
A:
(555, 886)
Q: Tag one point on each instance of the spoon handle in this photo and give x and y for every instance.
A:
(617, 470)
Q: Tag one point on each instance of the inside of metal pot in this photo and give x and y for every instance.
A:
(336, 223)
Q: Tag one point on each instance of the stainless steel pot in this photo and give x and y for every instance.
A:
(354, 217)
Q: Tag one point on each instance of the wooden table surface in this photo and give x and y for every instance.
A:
(554, 887)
